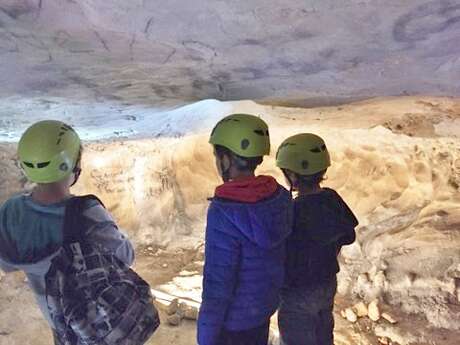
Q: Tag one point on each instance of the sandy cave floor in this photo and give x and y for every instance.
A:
(164, 271)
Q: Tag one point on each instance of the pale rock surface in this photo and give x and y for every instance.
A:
(384, 341)
(166, 53)
(350, 315)
(374, 311)
(389, 318)
(191, 313)
(174, 320)
(173, 307)
(361, 309)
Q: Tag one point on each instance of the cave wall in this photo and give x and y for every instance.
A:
(169, 53)
(398, 170)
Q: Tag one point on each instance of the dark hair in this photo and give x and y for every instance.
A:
(311, 180)
(242, 163)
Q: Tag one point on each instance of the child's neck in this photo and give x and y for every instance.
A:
(50, 194)
(308, 190)
(241, 175)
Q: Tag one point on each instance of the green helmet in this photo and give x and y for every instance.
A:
(304, 154)
(48, 151)
(243, 134)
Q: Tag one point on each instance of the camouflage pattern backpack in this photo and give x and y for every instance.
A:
(93, 297)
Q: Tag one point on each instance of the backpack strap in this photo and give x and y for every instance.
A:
(73, 211)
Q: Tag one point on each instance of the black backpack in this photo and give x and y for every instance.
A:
(94, 298)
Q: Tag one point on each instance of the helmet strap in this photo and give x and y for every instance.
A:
(77, 170)
(225, 172)
(291, 184)
(76, 173)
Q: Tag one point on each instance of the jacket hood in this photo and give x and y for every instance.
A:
(266, 223)
(26, 241)
(248, 189)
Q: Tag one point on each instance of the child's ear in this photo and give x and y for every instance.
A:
(222, 163)
(226, 162)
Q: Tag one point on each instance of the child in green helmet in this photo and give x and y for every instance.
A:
(323, 223)
(247, 225)
(31, 224)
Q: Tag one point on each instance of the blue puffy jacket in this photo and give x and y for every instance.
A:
(244, 263)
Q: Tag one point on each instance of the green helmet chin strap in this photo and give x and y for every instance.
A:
(291, 184)
(76, 172)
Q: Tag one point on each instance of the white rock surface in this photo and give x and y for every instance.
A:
(374, 311)
(360, 309)
(172, 52)
(350, 315)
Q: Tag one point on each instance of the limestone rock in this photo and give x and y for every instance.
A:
(173, 307)
(389, 318)
(182, 308)
(191, 313)
(361, 309)
(384, 265)
(350, 315)
(363, 278)
(174, 320)
(379, 279)
(374, 311)
(372, 273)
(384, 341)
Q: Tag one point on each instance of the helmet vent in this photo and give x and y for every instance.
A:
(316, 150)
(66, 128)
(43, 165)
(267, 133)
(61, 135)
(244, 144)
(305, 164)
(29, 165)
(286, 144)
(282, 146)
(323, 147)
(259, 132)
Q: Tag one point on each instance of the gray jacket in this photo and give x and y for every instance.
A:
(31, 236)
